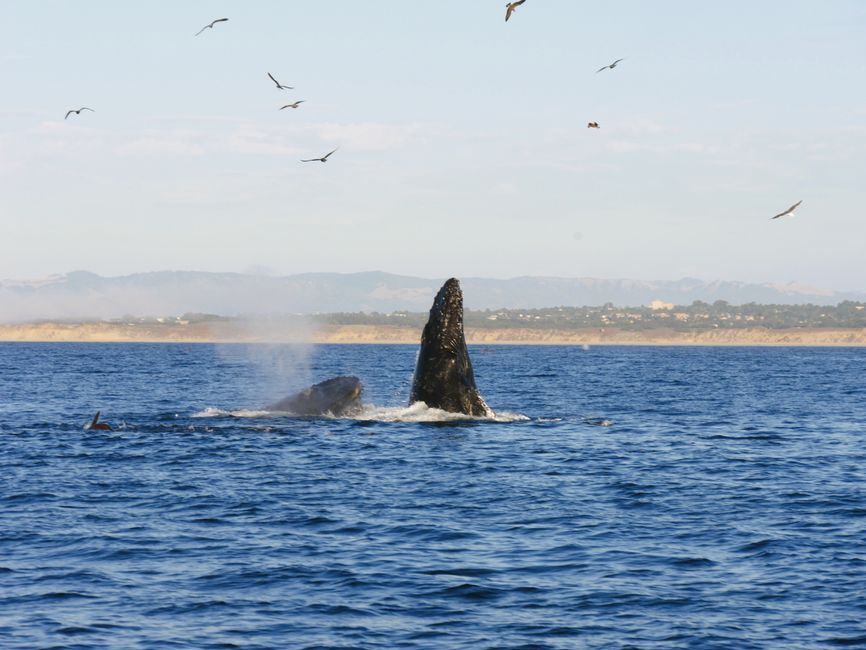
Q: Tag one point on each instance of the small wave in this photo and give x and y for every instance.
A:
(760, 545)
(469, 572)
(596, 421)
(848, 641)
(74, 630)
(693, 562)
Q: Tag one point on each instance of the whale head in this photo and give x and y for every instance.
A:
(444, 378)
(336, 396)
(444, 328)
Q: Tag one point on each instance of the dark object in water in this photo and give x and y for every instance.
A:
(96, 425)
(598, 422)
(337, 396)
(443, 377)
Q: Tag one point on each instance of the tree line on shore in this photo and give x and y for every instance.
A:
(698, 315)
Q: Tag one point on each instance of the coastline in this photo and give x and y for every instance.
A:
(99, 332)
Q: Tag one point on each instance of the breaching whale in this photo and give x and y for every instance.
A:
(443, 376)
(337, 396)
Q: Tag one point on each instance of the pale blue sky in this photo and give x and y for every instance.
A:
(464, 147)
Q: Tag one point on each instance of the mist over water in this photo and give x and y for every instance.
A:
(281, 366)
(724, 508)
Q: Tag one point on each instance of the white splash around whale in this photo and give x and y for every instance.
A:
(417, 412)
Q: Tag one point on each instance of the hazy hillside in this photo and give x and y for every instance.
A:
(84, 295)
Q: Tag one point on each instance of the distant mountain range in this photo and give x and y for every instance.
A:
(82, 295)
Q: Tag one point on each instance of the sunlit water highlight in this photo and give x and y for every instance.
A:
(724, 508)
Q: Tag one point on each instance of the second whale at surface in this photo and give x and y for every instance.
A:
(337, 396)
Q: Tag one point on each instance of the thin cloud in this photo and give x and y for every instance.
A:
(175, 144)
(630, 146)
(369, 136)
(24, 112)
(195, 118)
(284, 141)
(262, 141)
(14, 58)
(644, 126)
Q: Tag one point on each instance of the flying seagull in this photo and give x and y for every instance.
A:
(322, 159)
(593, 125)
(611, 66)
(511, 7)
(788, 211)
(218, 20)
(295, 105)
(78, 112)
(279, 85)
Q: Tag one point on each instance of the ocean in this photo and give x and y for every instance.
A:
(724, 506)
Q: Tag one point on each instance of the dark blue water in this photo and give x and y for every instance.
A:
(725, 507)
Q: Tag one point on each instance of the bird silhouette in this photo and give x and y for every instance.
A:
(78, 112)
(322, 159)
(593, 125)
(789, 211)
(218, 20)
(294, 105)
(279, 85)
(611, 66)
(511, 7)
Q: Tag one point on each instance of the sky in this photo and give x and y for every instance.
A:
(463, 147)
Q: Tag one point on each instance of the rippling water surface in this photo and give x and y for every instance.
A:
(724, 508)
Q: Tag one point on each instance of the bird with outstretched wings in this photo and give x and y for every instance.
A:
(279, 85)
(610, 66)
(210, 26)
(511, 7)
(322, 159)
(789, 211)
(78, 112)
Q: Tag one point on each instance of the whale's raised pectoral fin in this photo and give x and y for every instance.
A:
(444, 378)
